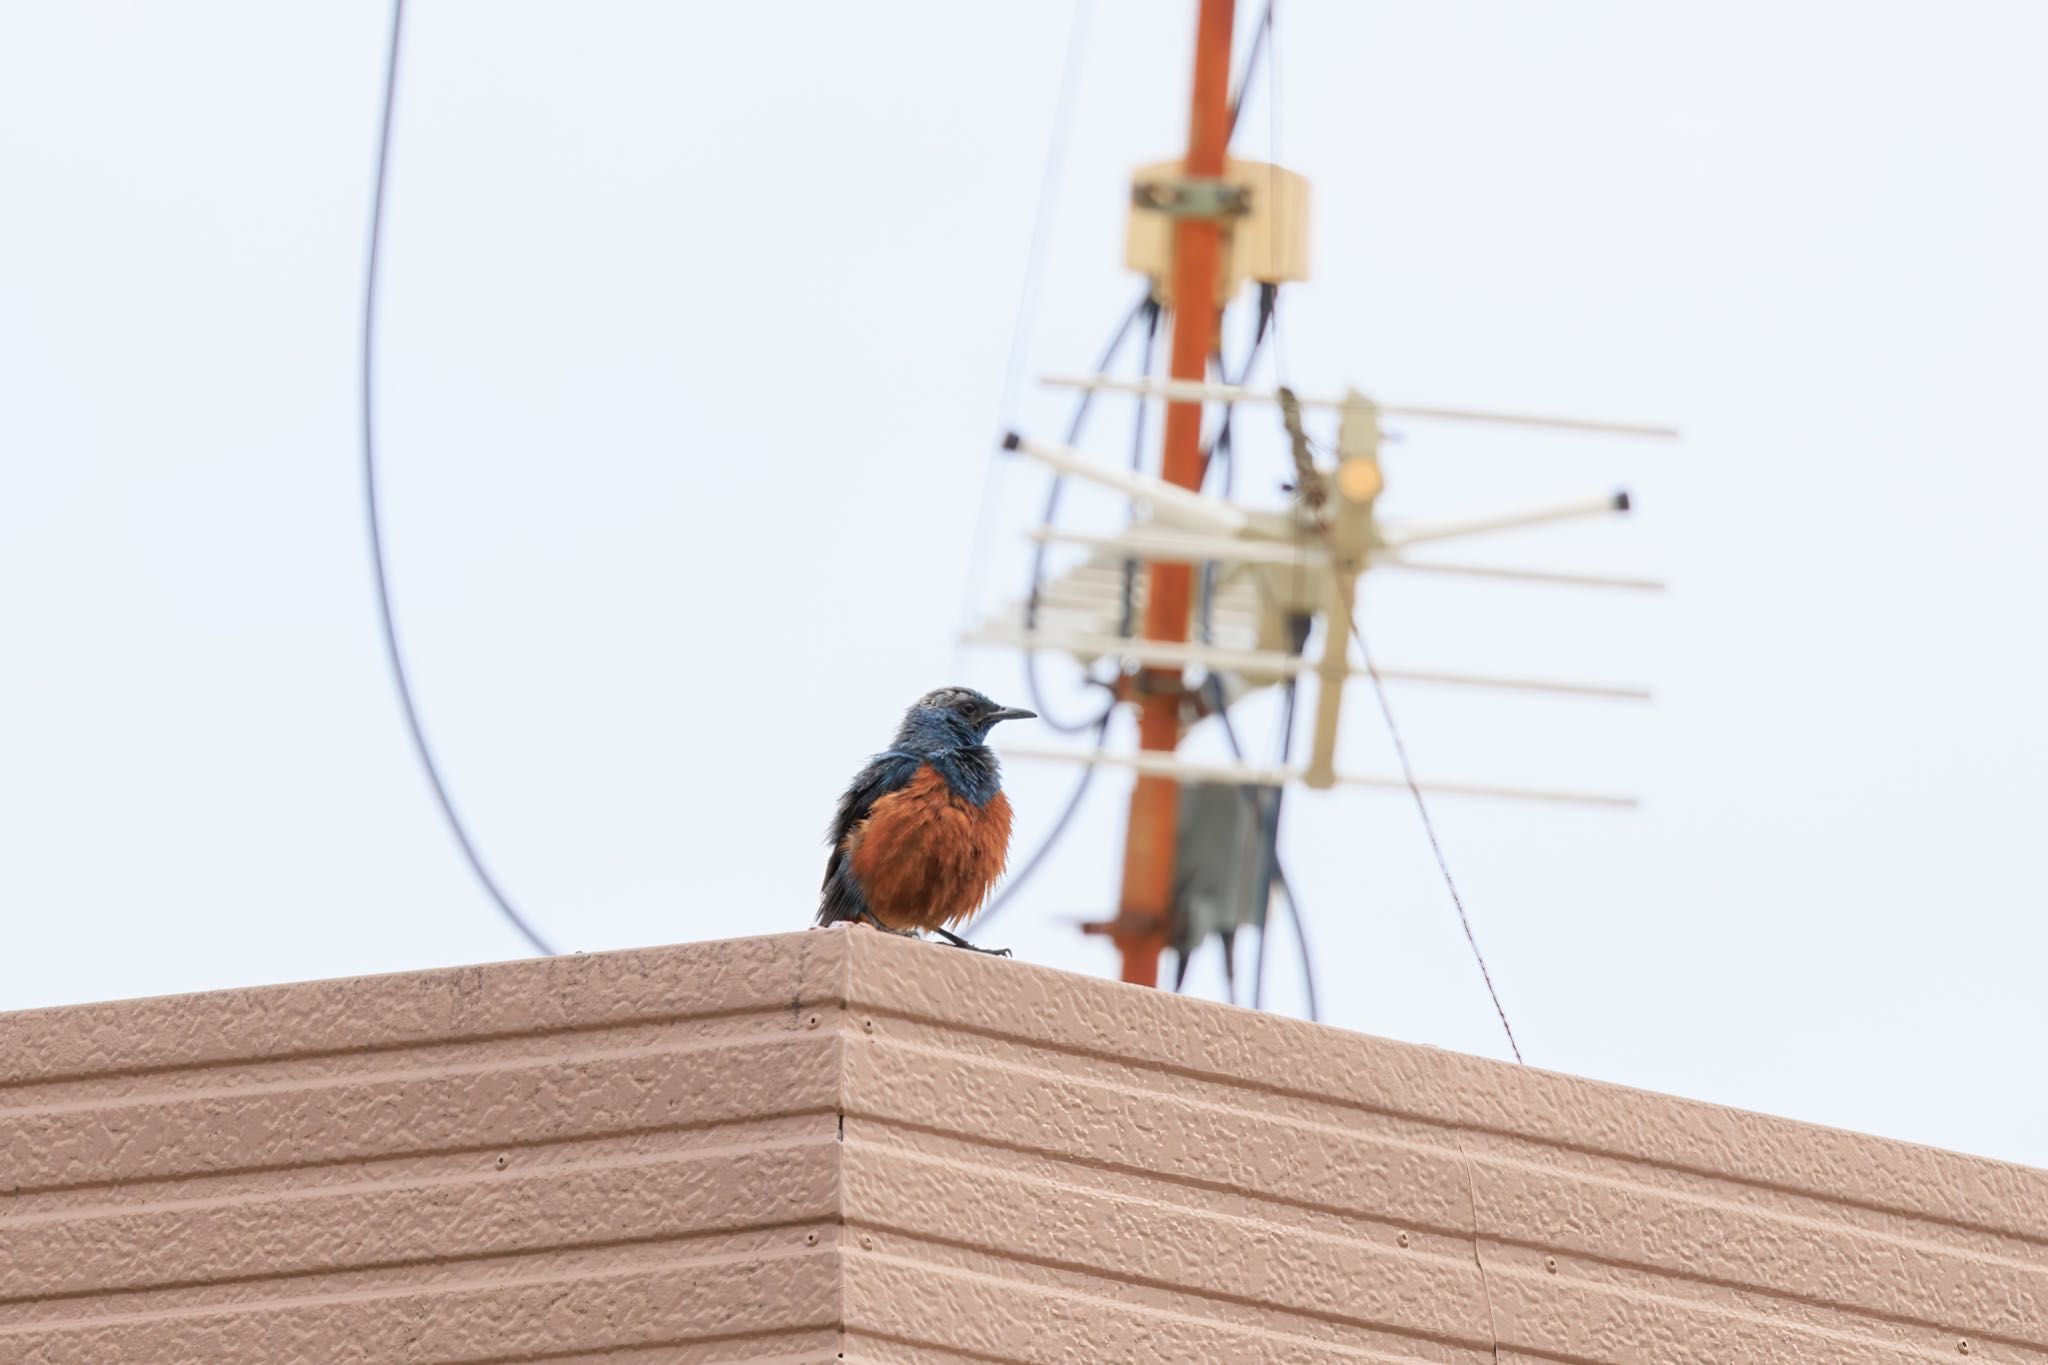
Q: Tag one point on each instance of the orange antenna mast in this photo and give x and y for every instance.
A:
(1143, 925)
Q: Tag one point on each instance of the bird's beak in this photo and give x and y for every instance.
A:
(1011, 713)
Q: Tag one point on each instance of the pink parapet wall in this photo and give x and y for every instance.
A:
(839, 1145)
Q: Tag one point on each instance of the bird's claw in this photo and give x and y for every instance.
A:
(959, 942)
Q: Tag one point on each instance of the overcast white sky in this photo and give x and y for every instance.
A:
(695, 333)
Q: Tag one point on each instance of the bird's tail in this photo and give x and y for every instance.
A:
(841, 901)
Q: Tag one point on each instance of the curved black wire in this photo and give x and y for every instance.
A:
(1075, 424)
(1127, 610)
(1147, 307)
(1251, 65)
(1146, 304)
(1279, 869)
(1221, 458)
(369, 409)
(1222, 452)
(1269, 844)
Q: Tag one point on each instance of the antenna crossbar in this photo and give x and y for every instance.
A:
(1141, 543)
(1398, 535)
(1201, 391)
(1274, 663)
(1169, 502)
(1255, 775)
(1545, 576)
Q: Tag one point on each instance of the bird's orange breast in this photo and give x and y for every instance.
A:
(926, 856)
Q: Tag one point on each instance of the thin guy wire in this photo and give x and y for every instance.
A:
(1379, 691)
(370, 502)
(1027, 299)
(1048, 200)
(1372, 671)
(1272, 36)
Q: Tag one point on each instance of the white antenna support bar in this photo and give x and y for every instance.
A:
(1173, 654)
(1195, 549)
(1398, 535)
(1568, 580)
(1166, 765)
(1177, 548)
(1197, 391)
(1169, 502)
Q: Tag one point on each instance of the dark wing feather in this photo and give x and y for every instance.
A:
(840, 898)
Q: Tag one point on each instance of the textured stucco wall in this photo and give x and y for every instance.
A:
(789, 1148)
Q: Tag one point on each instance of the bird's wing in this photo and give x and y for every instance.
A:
(840, 897)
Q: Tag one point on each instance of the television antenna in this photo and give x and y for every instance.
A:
(1199, 229)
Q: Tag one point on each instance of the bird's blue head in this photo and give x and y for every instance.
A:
(952, 718)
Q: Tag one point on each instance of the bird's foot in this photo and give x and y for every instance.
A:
(870, 917)
(959, 942)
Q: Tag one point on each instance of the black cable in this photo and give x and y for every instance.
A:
(1221, 455)
(1221, 446)
(1222, 450)
(1264, 41)
(1251, 66)
(1272, 47)
(1146, 304)
(1269, 852)
(391, 650)
(1221, 710)
(1082, 406)
(1052, 836)
(1148, 307)
(1127, 614)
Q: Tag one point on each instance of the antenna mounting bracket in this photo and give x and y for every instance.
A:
(1192, 197)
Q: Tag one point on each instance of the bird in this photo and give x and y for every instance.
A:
(923, 830)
